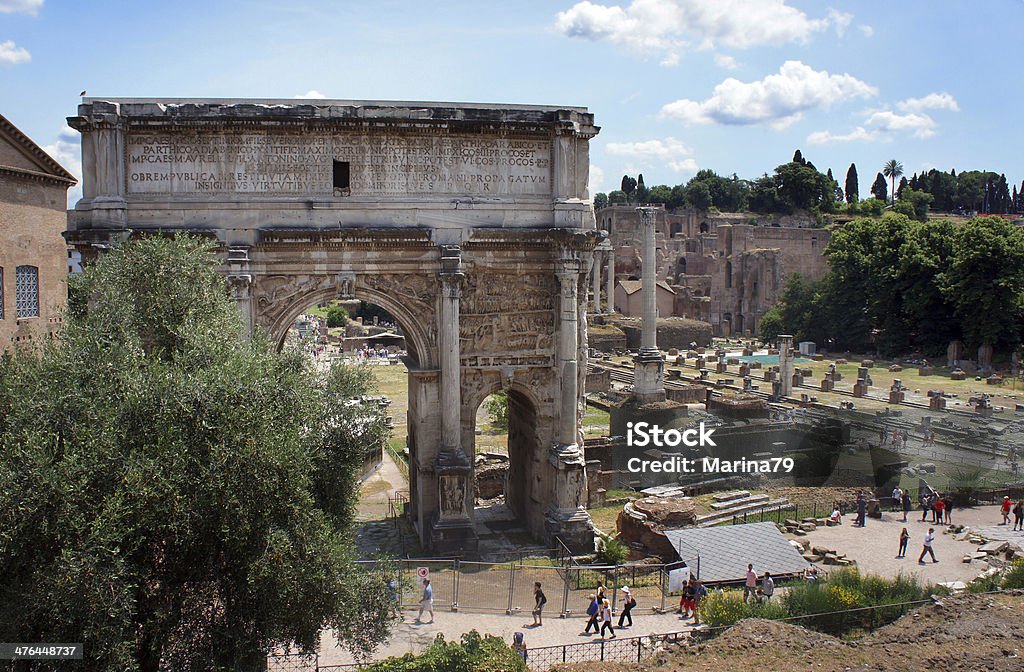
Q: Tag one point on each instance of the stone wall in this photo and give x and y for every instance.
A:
(726, 268)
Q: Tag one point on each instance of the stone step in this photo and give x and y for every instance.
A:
(726, 496)
(771, 506)
(743, 501)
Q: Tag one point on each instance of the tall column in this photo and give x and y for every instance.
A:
(785, 364)
(567, 517)
(596, 277)
(451, 276)
(610, 280)
(649, 370)
(451, 528)
(568, 354)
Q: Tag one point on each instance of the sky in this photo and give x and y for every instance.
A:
(676, 85)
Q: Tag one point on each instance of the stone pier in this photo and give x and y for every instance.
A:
(649, 372)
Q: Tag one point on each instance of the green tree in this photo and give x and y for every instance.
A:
(497, 407)
(628, 186)
(472, 653)
(764, 195)
(794, 313)
(852, 185)
(641, 189)
(600, 200)
(801, 187)
(617, 197)
(660, 193)
(880, 189)
(698, 195)
(914, 204)
(337, 316)
(892, 169)
(172, 492)
(985, 281)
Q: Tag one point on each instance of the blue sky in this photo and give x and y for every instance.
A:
(676, 85)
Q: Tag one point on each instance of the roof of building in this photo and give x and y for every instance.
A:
(634, 286)
(723, 552)
(43, 165)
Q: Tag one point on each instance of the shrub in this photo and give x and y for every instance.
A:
(336, 316)
(722, 609)
(612, 552)
(497, 407)
(472, 654)
(1015, 577)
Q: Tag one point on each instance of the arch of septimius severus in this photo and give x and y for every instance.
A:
(471, 224)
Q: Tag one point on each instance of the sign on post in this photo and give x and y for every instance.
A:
(423, 573)
(677, 578)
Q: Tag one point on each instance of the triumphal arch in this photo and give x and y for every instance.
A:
(471, 224)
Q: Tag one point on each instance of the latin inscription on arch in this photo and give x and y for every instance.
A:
(265, 163)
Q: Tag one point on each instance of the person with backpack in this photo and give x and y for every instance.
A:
(1018, 516)
(593, 611)
(628, 602)
(538, 607)
(699, 593)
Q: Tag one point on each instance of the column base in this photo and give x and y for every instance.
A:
(453, 538)
(649, 376)
(573, 527)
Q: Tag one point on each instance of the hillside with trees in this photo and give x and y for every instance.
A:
(799, 186)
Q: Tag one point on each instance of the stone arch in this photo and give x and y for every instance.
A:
(418, 330)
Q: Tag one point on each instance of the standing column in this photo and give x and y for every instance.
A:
(648, 375)
(596, 277)
(785, 364)
(568, 354)
(448, 335)
(610, 281)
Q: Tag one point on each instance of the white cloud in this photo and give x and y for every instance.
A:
(933, 101)
(670, 59)
(840, 21)
(725, 61)
(20, 6)
(312, 93)
(67, 151)
(778, 100)
(668, 27)
(12, 54)
(670, 152)
(921, 125)
(596, 182)
(867, 31)
(828, 137)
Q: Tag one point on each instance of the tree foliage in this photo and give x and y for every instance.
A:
(472, 654)
(879, 189)
(173, 493)
(337, 316)
(852, 185)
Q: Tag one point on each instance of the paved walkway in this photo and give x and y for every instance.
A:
(410, 637)
(874, 546)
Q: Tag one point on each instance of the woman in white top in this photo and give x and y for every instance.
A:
(606, 616)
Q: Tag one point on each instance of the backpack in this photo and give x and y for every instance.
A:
(632, 602)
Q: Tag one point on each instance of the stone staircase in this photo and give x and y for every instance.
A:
(726, 505)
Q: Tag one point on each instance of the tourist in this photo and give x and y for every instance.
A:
(699, 593)
(862, 510)
(767, 586)
(948, 508)
(427, 601)
(606, 618)
(593, 611)
(897, 498)
(1004, 509)
(926, 505)
(686, 602)
(812, 573)
(937, 510)
(539, 601)
(1018, 516)
(836, 516)
(904, 540)
(907, 504)
(628, 602)
(519, 645)
(601, 593)
(929, 537)
(750, 587)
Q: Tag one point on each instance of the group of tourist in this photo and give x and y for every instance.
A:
(751, 589)
(599, 612)
(901, 501)
(940, 507)
(694, 593)
(1018, 513)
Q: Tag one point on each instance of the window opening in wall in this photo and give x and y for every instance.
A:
(26, 291)
(341, 178)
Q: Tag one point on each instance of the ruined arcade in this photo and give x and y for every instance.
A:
(471, 224)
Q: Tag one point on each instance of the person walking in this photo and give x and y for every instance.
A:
(427, 601)
(628, 602)
(538, 607)
(750, 587)
(606, 618)
(862, 510)
(904, 540)
(897, 498)
(926, 505)
(593, 611)
(686, 603)
(1018, 516)
(907, 504)
(937, 511)
(699, 593)
(1004, 510)
(929, 537)
(767, 586)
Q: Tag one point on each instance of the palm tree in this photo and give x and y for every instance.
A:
(893, 169)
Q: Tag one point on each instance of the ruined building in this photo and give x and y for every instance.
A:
(725, 268)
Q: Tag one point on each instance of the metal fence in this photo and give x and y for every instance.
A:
(508, 587)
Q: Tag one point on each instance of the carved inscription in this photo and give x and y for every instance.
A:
(378, 164)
